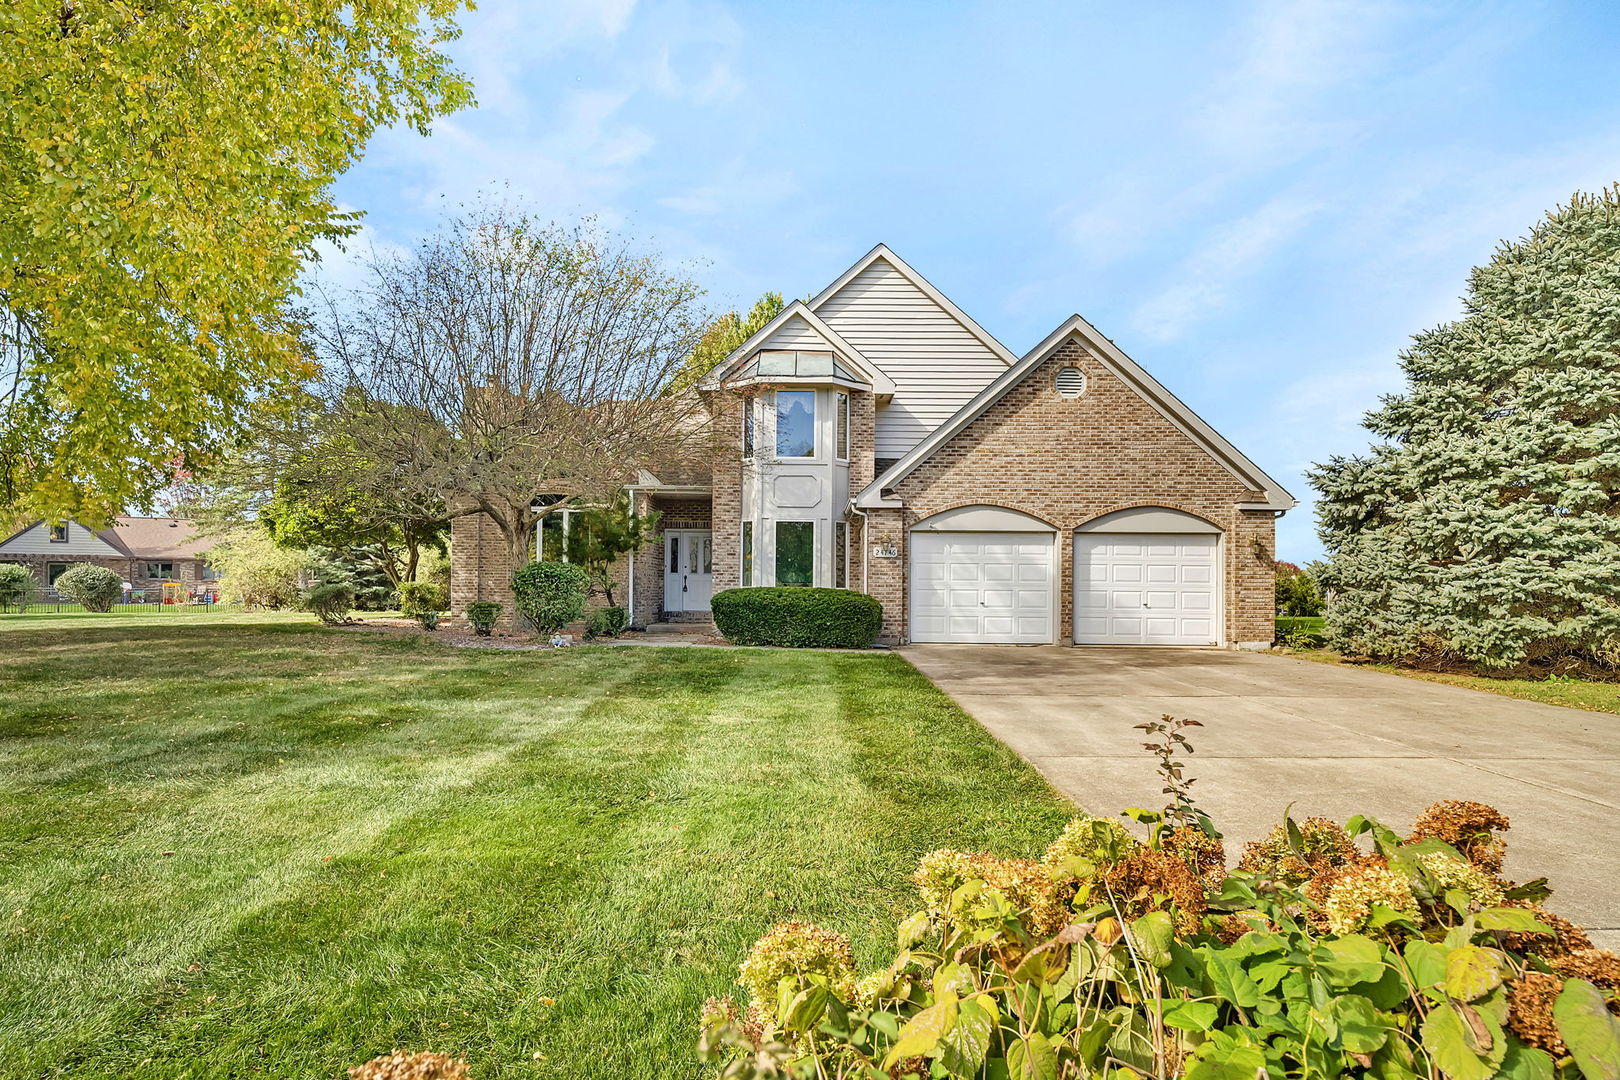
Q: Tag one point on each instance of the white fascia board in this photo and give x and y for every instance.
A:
(880, 382)
(1132, 374)
(882, 252)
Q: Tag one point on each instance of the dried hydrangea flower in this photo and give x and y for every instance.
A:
(1102, 841)
(1323, 844)
(1204, 853)
(1137, 884)
(1347, 894)
(1530, 1011)
(795, 950)
(404, 1065)
(1448, 873)
(1041, 900)
(1600, 967)
(1470, 827)
(1565, 938)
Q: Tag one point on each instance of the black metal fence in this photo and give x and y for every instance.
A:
(62, 607)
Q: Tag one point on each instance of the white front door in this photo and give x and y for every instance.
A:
(688, 569)
(982, 587)
(1146, 589)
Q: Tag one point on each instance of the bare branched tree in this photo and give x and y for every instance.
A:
(505, 360)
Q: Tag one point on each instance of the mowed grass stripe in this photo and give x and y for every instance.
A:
(626, 823)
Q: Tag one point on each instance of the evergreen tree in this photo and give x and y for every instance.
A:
(1485, 526)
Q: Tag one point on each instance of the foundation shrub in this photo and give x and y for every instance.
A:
(606, 622)
(482, 617)
(797, 617)
(1330, 951)
(550, 595)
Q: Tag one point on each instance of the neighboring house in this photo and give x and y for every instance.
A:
(146, 552)
(876, 438)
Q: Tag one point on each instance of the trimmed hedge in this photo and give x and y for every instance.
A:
(797, 617)
(606, 622)
(95, 587)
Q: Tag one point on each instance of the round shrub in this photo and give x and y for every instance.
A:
(797, 617)
(605, 622)
(95, 587)
(482, 616)
(330, 603)
(16, 585)
(550, 595)
(422, 601)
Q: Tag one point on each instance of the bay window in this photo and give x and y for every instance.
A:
(795, 423)
(795, 553)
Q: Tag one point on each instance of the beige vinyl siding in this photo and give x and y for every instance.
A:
(80, 541)
(936, 363)
(797, 334)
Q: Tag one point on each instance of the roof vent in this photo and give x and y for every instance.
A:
(1071, 382)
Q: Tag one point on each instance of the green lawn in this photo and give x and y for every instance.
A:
(243, 846)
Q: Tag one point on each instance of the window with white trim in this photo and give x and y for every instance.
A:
(795, 423)
(748, 427)
(795, 553)
(748, 553)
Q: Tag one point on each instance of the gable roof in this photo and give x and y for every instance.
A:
(881, 383)
(882, 252)
(141, 537)
(1276, 497)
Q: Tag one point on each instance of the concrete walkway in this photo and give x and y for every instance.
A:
(1334, 741)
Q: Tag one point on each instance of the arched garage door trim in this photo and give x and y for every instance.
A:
(1148, 575)
(983, 574)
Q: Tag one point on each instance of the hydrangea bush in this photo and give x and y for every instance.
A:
(1329, 951)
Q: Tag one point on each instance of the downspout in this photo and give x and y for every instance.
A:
(866, 542)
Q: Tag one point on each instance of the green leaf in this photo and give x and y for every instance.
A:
(964, 1047)
(1151, 936)
(1589, 1030)
(1361, 1029)
(924, 1031)
(1427, 962)
(1351, 959)
(806, 1009)
(1472, 972)
(1466, 1046)
(1231, 981)
(1191, 1015)
(1513, 919)
(1032, 1058)
(1526, 1063)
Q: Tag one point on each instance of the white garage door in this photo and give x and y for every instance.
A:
(981, 587)
(1147, 589)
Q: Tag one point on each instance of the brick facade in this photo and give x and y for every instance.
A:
(1067, 461)
(187, 571)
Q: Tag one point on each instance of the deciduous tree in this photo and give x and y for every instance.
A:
(165, 175)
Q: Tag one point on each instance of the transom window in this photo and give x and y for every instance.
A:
(795, 423)
(795, 553)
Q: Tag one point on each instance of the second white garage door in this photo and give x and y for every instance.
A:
(1145, 589)
(981, 587)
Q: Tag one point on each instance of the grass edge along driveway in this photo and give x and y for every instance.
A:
(260, 848)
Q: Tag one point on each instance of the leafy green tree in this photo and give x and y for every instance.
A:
(166, 173)
(1485, 526)
(256, 573)
(1297, 591)
(723, 336)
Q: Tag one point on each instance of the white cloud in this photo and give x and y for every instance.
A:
(1205, 281)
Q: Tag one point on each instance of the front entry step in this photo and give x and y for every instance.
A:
(696, 626)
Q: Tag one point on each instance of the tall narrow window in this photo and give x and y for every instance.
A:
(843, 427)
(795, 553)
(748, 553)
(748, 427)
(795, 423)
(840, 554)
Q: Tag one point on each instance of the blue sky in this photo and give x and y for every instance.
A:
(1258, 201)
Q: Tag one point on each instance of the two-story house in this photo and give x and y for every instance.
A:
(876, 438)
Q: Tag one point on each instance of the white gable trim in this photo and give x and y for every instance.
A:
(1276, 497)
(882, 252)
(881, 383)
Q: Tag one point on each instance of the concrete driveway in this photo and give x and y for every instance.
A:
(1334, 741)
